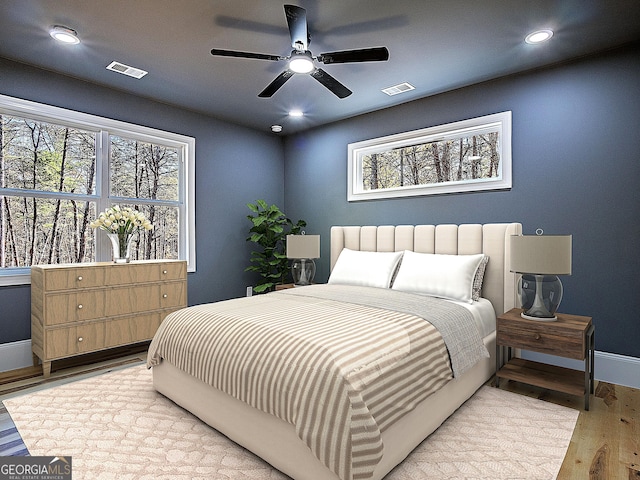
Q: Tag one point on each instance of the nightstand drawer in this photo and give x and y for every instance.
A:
(543, 339)
(565, 337)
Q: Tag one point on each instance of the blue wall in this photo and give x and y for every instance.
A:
(576, 167)
(234, 166)
(576, 170)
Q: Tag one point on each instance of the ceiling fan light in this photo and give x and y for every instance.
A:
(301, 63)
(64, 35)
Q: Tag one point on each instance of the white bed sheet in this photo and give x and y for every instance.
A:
(483, 314)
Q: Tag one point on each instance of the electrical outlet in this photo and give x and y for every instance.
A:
(249, 291)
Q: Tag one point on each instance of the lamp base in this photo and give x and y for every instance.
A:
(539, 319)
(540, 296)
(303, 270)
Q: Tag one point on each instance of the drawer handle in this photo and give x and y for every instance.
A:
(164, 271)
(164, 296)
(537, 336)
(80, 278)
(80, 339)
(80, 307)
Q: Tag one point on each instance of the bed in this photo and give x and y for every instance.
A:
(349, 428)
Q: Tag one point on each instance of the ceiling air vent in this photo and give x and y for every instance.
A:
(400, 88)
(126, 70)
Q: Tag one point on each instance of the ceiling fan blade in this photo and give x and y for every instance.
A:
(276, 84)
(297, 22)
(377, 54)
(331, 83)
(233, 53)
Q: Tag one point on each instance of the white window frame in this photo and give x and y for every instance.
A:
(500, 122)
(104, 127)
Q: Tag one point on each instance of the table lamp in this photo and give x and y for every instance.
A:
(302, 249)
(540, 258)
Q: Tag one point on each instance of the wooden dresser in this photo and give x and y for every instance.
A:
(82, 308)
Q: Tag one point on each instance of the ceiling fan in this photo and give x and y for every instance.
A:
(301, 60)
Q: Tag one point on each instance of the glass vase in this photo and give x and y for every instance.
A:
(121, 243)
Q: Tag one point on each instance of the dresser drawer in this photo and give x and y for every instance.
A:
(144, 272)
(132, 299)
(117, 332)
(73, 277)
(66, 342)
(73, 307)
(542, 337)
(144, 327)
(130, 273)
(126, 330)
(173, 294)
(173, 270)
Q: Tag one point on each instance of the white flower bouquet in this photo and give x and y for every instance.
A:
(121, 221)
(120, 225)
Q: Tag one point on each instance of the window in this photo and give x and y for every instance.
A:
(464, 156)
(60, 168)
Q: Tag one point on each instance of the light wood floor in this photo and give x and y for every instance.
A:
(605, 443)
(62, 370)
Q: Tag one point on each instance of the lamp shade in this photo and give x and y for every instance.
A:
(541, 254)
(303, 246)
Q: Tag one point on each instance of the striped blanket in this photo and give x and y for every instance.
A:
(339, 372)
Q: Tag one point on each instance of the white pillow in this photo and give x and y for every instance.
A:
(445, 276)
(367, 269)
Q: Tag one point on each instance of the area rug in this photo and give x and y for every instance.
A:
(115, 425)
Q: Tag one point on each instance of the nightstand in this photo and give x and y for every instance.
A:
(571, 336)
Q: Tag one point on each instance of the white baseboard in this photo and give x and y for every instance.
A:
(15, 355)
(609, 367)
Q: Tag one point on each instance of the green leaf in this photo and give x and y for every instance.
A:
(256, 237)
(263, 288)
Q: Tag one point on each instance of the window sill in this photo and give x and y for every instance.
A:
(19, 277)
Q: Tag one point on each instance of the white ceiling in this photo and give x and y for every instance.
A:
(436, 45)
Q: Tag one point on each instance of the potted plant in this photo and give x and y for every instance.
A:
(270, 227)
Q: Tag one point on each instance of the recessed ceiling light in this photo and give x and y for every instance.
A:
(296, 113)
(539, 36)
(64, 35)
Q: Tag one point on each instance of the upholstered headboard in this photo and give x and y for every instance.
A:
(492, 239)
